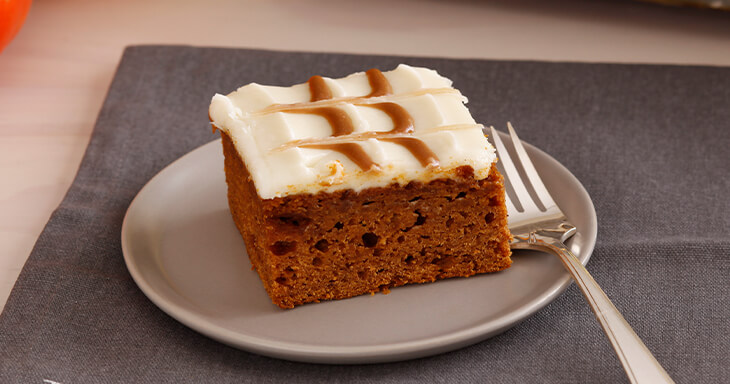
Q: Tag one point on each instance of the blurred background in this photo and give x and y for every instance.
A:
(55, 73)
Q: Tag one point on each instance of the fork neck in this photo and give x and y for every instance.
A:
(549, 233)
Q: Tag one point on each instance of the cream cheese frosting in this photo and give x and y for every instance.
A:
(369, 129)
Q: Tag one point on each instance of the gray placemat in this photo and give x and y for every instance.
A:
(650, 144)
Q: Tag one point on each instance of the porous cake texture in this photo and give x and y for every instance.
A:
(347, 186)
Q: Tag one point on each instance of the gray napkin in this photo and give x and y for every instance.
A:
(650, 144)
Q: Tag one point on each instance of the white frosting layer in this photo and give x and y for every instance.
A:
(278, 167)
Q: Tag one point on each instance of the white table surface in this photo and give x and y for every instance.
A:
(55, 74)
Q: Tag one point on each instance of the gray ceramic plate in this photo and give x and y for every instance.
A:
(184, 252)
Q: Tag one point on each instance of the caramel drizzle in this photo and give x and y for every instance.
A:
(358, 100)
(318, 89)
(402, 120)
(338, 119)
(342, 126)
(403, 124)
(378, 83)
(418, 148)
(352, 151)
(362, 136)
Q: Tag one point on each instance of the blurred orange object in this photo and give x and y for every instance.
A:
(12, 15)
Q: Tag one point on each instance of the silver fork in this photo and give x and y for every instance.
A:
(533, 228)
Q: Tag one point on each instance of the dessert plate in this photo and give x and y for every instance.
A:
(183, 250)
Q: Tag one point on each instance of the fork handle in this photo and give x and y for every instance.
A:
(639, 364)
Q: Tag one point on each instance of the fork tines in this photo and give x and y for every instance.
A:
(513, 177)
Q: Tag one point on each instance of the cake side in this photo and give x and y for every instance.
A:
(312, 247)
(246, 208)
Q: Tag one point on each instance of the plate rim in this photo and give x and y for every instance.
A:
(387, 352)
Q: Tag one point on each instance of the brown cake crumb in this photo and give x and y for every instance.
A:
(313, 247)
